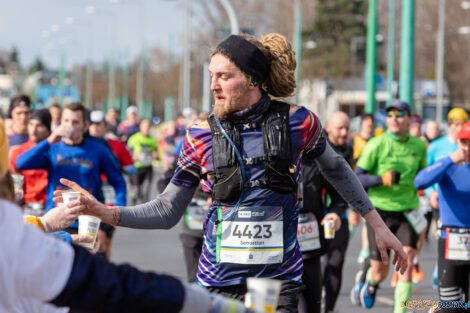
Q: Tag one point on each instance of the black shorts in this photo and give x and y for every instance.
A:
(399, 226)
(454, 277)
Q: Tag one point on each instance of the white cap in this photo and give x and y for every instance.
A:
(96, 116)
(132, 109)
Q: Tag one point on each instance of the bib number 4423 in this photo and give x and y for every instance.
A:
(252, 231)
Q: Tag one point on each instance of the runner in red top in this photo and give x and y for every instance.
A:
(35, 181)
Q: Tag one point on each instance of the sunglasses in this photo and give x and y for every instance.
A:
(396, 113)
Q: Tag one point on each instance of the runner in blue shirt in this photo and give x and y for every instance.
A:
(451, 174)
(74, 158)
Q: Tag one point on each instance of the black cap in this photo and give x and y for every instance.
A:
(399, 105)
(18, 101)
(43, 116)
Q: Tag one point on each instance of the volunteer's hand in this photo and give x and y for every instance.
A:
(433, 200)
(390, 178)
(78, 239)
(61, 217)
(92, 206)
(332, 217)
(386, 240)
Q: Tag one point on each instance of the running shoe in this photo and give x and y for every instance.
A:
(367, 295)
(393, 281)
(356, 289)
(416, 274)
(363, 255)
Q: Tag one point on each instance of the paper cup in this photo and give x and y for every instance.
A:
(18, 181)
(263, 294)
(70, 196)
(328, 229)
(88, 225)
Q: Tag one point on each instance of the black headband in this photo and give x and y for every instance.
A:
(246, 56)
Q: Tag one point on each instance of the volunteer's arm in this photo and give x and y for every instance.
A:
(163, 212)
(432, 174)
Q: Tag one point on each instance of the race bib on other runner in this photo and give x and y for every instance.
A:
(250, 235)
(195, 214)
(458, 244)
(417, 220)
(308, 234)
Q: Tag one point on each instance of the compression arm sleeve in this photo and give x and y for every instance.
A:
(432, 174)
(367, 180)
(161, 213)
(338, 172)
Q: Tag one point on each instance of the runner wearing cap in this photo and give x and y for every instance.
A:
(438, 149)
(451, 174)
(387, 167)
(248, 155)
(35, 181)
(130, 126)
(20, 111)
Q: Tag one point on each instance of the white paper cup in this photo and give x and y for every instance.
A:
(70, 196)
(18, 181)
(263, 294)
(88, 225)
(328, 229)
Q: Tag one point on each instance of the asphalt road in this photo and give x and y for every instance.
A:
(160, 251)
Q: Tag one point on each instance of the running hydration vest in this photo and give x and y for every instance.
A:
(279, 167)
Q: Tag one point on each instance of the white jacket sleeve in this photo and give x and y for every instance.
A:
(33, 265)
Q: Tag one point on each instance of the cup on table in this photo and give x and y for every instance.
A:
(88, 225)
(328, 229)
(70, 196)
(263, 294)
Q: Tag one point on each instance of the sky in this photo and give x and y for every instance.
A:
(39, 28)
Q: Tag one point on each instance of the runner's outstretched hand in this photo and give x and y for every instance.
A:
(386, 240)
(92, 206)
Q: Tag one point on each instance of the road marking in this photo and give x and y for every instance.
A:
(385, 300)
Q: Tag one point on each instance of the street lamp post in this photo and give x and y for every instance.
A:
(440, 60)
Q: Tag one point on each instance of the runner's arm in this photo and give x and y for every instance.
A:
(338, 172)
(432, 174)
(367, 180)
(337, 205)
(163, 212)
(34, 158)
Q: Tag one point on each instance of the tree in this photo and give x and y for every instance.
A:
(335, 25)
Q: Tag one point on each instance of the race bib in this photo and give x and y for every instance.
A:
(417, 220)
(308, 234)
(251, 235)
(145, 158)
(195, 214)
(108, 193)
(458, 244)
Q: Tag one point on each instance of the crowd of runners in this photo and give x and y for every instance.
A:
(252, 186)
